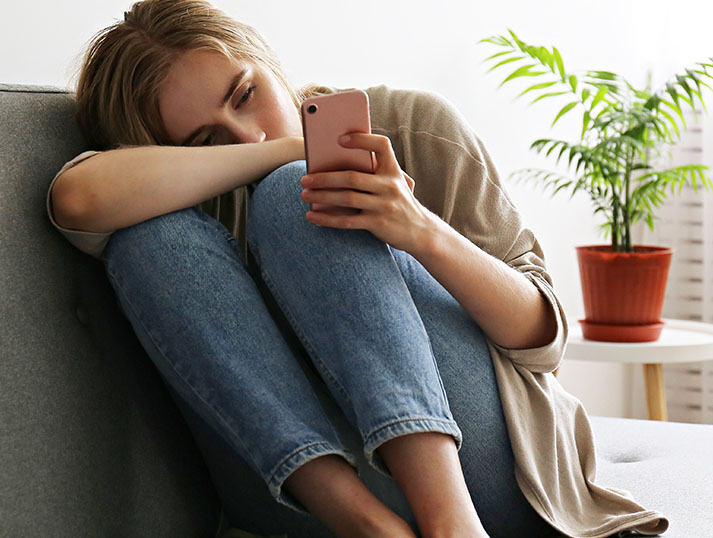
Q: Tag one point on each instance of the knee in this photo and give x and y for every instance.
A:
(150, 233)
(279, 193)
(155, 238)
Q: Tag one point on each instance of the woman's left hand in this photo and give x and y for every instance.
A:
(384, 200)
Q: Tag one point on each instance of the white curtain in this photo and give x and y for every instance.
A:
(686, 224)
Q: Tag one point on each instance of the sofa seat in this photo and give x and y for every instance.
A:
(667, 466)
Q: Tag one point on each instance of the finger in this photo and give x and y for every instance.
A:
(380, 145)
(334, 209)
(340, 197)
(410, 182)
(349, 179)
(354, 222)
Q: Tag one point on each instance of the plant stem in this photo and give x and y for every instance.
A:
(615, 219)
(627, 207)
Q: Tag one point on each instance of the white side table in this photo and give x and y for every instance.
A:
(680, 341)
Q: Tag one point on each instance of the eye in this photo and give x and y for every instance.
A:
(247, 95)
(208, 140)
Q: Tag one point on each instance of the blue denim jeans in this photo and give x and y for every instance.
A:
(336, 344)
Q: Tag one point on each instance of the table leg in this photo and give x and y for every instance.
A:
(655, 395)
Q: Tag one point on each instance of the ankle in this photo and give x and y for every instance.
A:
(378, 526)
(458, 533)
(455, 527)
(331, 490)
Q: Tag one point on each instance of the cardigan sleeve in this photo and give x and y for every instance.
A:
(456, 179)
(92, 243)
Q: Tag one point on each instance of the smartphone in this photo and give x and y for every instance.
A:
(327, 117)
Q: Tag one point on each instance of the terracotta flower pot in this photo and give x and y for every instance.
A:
(623, 292)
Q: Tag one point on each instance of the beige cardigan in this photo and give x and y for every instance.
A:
(549, 429)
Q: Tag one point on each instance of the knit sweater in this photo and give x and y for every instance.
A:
(549, 429)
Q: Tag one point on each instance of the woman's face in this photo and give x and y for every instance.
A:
(208, 99)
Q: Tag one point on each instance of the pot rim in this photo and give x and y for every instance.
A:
(651, 250)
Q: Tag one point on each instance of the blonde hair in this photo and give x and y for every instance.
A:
(125, 64)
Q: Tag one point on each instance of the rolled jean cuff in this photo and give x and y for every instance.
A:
(400, 427)
(294, 461)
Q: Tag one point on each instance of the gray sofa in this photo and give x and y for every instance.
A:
(92, 443)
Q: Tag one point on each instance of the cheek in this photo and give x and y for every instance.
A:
(288, 117)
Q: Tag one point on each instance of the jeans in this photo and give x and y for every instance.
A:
(336, 345)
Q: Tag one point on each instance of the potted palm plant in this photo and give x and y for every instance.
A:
(624, 131)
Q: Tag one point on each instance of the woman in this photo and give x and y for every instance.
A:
(428, 319)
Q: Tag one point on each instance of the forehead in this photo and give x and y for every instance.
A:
(194, 65)
(194, 86)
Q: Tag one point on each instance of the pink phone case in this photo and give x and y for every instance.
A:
(327, 117)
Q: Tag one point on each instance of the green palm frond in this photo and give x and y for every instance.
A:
(622, 129)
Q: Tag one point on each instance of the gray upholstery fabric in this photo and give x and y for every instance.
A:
(667, 466)
(91, 443)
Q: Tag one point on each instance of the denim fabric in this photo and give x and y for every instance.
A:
(201, 319)
(345, 298)
(339, 344)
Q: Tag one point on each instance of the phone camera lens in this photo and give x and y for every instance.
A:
(312, 109)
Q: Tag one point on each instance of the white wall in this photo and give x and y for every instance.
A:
(430, 45)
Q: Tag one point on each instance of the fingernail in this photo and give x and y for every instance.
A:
(306, 180)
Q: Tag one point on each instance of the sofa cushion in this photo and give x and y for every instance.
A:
(92, 443)
(667, 466)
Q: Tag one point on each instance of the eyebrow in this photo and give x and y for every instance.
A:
(234, 83)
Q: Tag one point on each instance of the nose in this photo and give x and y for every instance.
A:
(244, 130)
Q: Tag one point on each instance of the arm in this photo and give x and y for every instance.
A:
(502, 300)
(119, 188)
(504, 303)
